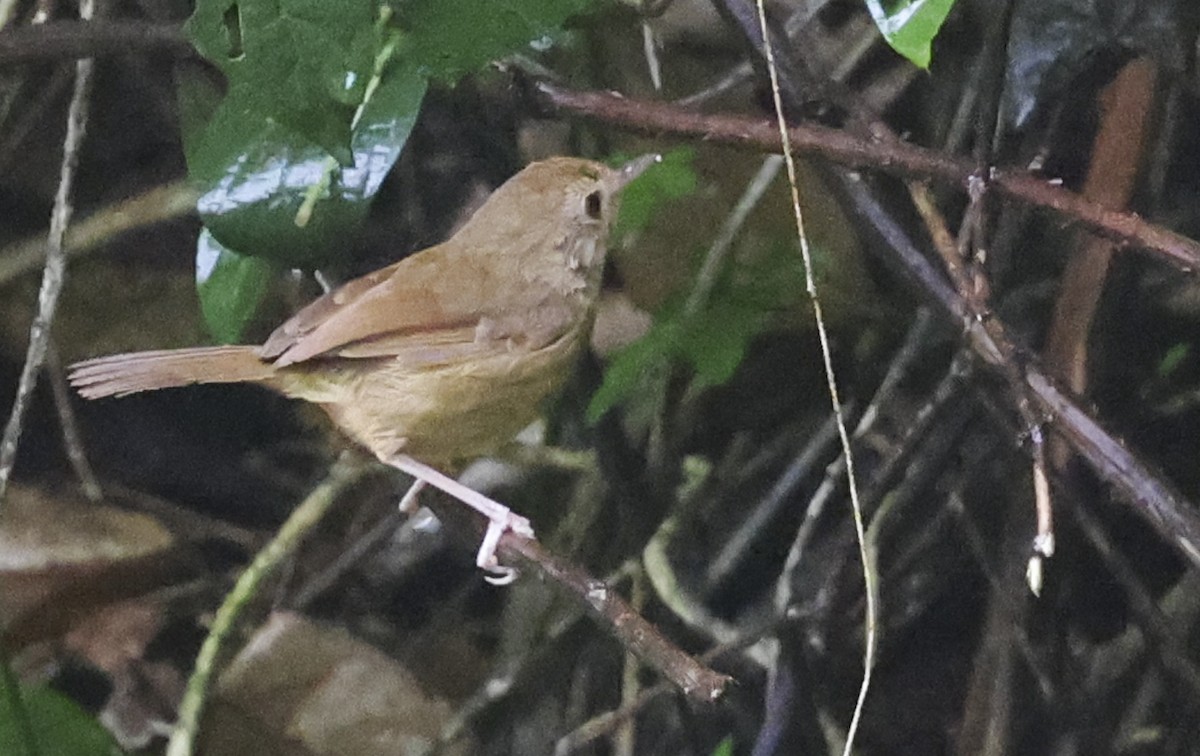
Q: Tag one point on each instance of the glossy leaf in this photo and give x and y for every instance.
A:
(300, 63)
(322, 97)
(231, 287)
(448, 38)
(258, 174)
(909, 26)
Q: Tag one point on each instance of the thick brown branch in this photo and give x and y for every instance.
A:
(64, 40)
(896, 158)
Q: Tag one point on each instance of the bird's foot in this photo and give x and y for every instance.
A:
(501, 519)
(408, 502)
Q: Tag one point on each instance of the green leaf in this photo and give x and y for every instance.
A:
(712, 341)
(231, 287)
(725, 747)
(300, 63)
(258, 174)
(635, 367)
(448, 38)
(715, 341)
(59, 726)
(711, 337)
(1173, 359)
(909, 26)
(673, 178)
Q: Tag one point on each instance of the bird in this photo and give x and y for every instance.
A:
(443, 356)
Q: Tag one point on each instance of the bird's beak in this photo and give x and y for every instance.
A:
(621, 177)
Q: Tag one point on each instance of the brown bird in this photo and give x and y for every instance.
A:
(444, 355)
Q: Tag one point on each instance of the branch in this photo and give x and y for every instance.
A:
(1152, 497)
(55, 266)
(896, 158)
(631, 629)
(79, 39)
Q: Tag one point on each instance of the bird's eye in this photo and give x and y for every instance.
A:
(593, 204)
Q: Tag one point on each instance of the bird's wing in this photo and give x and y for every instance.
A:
(425, 309)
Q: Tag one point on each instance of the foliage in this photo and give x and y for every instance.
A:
(671, 179)
(710, 336)
(57, 724)
(909, 26)
(322, 96)
(449, 38)
(230, 284)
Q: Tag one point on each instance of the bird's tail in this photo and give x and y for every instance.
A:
(121, 374)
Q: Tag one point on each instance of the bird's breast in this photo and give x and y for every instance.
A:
(449, 412)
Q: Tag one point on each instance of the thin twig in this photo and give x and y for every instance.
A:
(1152, 497)
(602, 724)
(973, 244)
(714, 259)
(633, 631)
(72, 438)
(303, 519)
(967, 280)
(56, 262)
(155, 205)
(869, 575)
(625, 740)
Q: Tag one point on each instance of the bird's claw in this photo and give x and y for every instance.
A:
(486, 558)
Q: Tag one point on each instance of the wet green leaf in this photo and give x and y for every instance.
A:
(909, 26)
(300, 63)
(715, 340)
(258, 174)
(448, 38)
(231, 287)
(322, 97)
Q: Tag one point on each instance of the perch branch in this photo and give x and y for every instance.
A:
(631, 629)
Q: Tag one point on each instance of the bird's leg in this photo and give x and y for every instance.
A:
(408, 502)
(500, 518)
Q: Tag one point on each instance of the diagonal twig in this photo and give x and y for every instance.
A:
(892, 157)
(55, 267)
